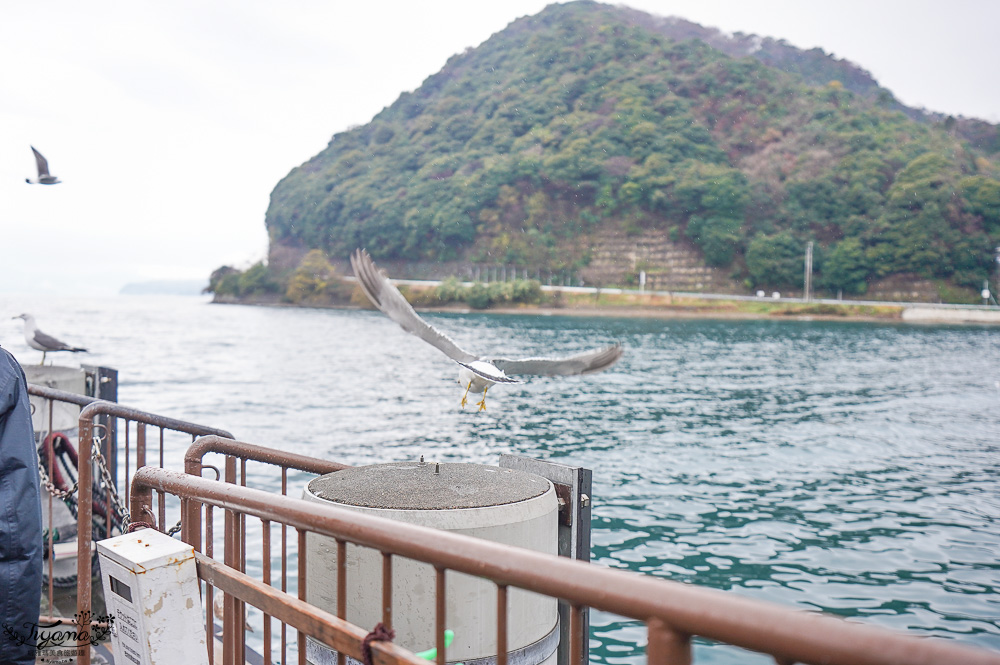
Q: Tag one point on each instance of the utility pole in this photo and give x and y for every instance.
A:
(996, 253)
(809, 270)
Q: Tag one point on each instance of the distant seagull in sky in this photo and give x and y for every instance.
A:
(36, 339)
(477, 373)
(44, 178)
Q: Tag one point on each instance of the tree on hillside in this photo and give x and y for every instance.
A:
(718, 237)
(775, 260)
(314, 278)
(846, 267)
(982, 197)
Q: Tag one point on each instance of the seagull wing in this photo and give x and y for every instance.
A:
(50, 343)
(41, 163)
(391, 302)
(582, 363)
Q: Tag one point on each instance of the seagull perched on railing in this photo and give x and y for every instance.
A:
(36, 339)
(44, 178)
(477, 373)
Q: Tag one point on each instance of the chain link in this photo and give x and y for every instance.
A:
(50, 486)
(121, 512)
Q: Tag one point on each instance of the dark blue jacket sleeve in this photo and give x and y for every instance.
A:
(20, 516)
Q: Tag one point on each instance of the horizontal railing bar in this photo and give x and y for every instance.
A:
(102, 407)
(724, 617)
(249, 451)
(60, 395)
(336, 633)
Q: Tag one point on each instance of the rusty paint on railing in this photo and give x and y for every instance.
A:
(501, 624)
(242, 452)
(194, 464)
(440, 610)
(249, 451)
(666, 645)
(87, 428)
(91, 408)
(332, 631)
(672, 611)
(576, 640)
(59, 395)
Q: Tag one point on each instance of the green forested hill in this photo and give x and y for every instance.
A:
(586, 119)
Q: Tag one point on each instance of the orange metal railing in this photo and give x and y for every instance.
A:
(673, 613)
(139, 446)
(88, 429)
(236, 456)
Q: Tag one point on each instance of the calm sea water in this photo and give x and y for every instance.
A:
(845, 467)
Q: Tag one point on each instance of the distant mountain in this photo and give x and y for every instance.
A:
(165, 287)
(579, 138)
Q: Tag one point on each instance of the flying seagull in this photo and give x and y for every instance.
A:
(476, 373)
(44, 178)
(36, 339)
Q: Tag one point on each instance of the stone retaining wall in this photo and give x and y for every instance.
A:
(669, 266)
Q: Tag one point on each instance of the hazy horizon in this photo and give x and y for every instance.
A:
(169, 125)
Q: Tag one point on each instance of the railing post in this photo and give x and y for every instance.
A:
(84, 522)
(387, 590)
(440, 613)
(230, 555)
(501, 624)
(576, 635)
(191, 511)
(667, 646)
(303, 566)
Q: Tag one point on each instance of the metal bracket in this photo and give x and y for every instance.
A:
(573, 487)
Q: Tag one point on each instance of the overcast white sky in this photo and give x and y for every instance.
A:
(171, 122)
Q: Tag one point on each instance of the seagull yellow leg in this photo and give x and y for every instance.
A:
(466, 395)
(43, 358)
(482, 402)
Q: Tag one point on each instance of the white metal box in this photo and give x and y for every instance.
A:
(152, 594)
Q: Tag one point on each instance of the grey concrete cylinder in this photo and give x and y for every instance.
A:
(500, 505)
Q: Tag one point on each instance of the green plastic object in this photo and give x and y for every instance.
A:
(431, 654)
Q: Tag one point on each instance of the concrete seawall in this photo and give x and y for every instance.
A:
(942, 315)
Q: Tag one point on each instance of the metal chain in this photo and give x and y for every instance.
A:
(120, 510)
(50, 486)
